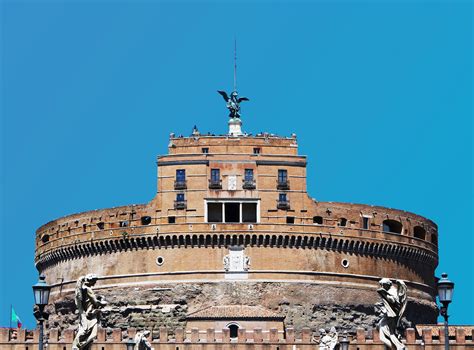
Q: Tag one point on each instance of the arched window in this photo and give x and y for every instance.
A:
(343, 222)
(392, 226)
(434, 239)
(318, 220)
(45, 239)
(419, 232)
(234, 330)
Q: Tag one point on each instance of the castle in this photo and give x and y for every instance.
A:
(232, 226)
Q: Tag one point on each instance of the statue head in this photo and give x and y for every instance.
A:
(234, 93)
(385, 283)
(322, 332)
(90, 279)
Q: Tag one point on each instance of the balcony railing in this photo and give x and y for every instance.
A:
(249, 184)
(215, 184)
(180, 205)
(283, 184)
(283, 204)
(180, 184)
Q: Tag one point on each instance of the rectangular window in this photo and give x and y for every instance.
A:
(232, 212)
(180, 197)
(256, 150)
(282, 197)
(290, 219)
(205, 150)
(180, 175)
(249, 212)
(214, 212)
(215, 175)
(248, 175)
(282, 176)
(365, 223)
(171, 219)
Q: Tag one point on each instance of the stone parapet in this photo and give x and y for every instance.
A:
(211, 339)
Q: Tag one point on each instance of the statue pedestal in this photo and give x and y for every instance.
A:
(235, 127)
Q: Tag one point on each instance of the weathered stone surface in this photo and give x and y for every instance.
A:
(302, 304)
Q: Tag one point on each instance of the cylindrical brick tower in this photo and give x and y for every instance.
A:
(232, 224)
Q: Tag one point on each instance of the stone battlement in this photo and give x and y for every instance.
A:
(429, 337)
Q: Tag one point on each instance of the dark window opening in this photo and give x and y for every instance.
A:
(123, 223)
(249, 212)
(343, 222)
(256, 150)
(282, 197)
(215, 174)
(205, 150)
(392, 226)
(146, 220)
(171, 219)
(365, 223)
(180, 174)
(215, 181)
(232, 212)
(282, 175)
(233, 330)
(180, 180)
(419, 232)
(180, 197)
(84, 227)
(248, 175)
(180, 202)
(45, 238)
(249, 182)
(318, 220)
(100, 225)
(290, 219)
(434, 239)
(283, 202)
(214, 212)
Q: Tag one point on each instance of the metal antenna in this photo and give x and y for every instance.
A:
(235, 64)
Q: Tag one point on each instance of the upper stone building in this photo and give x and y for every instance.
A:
(232, 225)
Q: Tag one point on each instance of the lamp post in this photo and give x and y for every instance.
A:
(445, 296)
(344, 342)
(41, 293)
(130, 344)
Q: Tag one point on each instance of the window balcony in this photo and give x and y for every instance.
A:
(249, 184)
(283, 204)
(215, 184)
(180, 184)
(178, 205)
(283, 184)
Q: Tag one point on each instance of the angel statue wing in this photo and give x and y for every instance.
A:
(224, 95)
(78, 295)
(402, 297)
(242, 99)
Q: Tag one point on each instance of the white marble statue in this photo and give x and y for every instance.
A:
(328, 341)
(141, 341)
(394, 300)
(88, 305)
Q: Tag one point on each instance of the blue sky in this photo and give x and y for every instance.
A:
(379, 94)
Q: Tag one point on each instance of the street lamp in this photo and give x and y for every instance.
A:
(41, 293)
(445, 296)
(130, 344)
(344, 342)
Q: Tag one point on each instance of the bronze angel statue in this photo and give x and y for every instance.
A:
(394, 302)
(233, 103)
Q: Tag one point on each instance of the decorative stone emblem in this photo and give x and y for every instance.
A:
(236, 260)
(232, 182)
